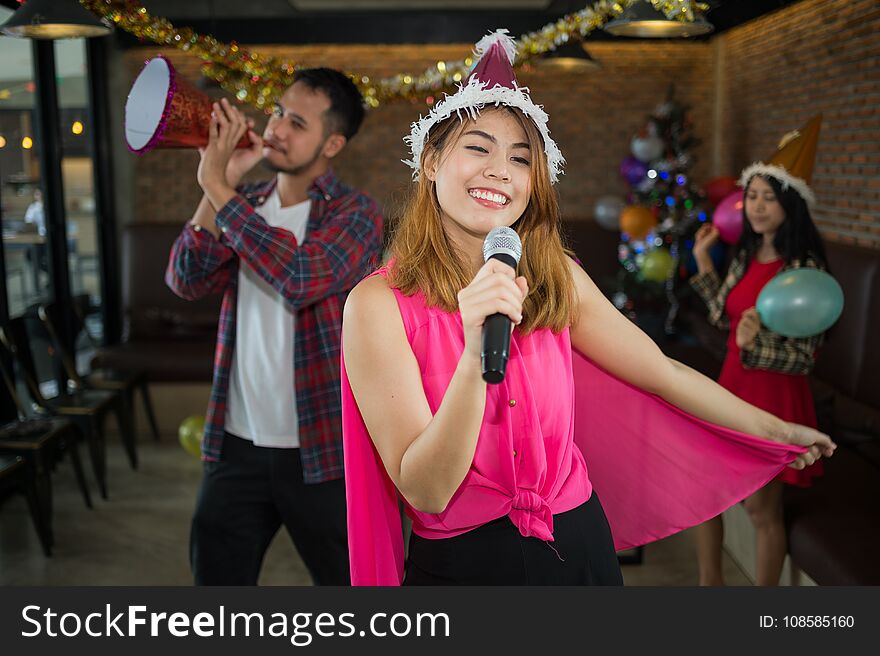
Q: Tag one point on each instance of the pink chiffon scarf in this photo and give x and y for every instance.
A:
(656, 469)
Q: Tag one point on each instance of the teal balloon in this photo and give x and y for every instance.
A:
(800, 303)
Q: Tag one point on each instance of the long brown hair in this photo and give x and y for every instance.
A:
(426, 260)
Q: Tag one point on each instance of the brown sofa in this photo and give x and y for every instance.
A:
(173, 339)
(596, 248)
(834, 527)
(169, 338)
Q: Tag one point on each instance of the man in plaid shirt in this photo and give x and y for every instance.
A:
(284, 254)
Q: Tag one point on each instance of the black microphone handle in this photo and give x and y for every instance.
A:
(504, 257)
(496, 337)
(496, 347)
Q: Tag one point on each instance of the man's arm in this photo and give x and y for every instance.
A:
(199, 264)
(331, 260)
(204, 217)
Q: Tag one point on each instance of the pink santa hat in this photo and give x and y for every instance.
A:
(491, 82)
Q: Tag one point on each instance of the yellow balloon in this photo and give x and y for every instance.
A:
(657, 265)
(190, 434)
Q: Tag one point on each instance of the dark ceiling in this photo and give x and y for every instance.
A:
(279, 21)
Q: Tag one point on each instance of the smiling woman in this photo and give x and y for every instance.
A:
(489, 164)
(492, 475)
(479, 174)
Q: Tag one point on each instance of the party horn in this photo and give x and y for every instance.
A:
(163, 110)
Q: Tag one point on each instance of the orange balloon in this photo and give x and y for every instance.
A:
(637, 221)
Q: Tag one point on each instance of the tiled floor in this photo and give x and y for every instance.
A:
(140, 535)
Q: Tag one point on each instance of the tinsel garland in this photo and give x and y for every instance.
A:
(259, 80)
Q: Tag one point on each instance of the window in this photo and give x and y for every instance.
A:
(29, 236)
(21, 206)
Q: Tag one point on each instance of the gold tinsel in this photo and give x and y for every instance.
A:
(259, 80)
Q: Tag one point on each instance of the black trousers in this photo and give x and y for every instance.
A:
(243, 501)
(582, 553)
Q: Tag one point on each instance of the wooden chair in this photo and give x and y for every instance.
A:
(14, 478)
(41, 442)
(87, 408)
(120, 382)
(126, 382)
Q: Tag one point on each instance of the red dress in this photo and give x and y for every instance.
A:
(787, 396)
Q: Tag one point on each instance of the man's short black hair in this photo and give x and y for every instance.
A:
(346, 111)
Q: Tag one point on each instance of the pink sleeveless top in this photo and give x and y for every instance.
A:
(655, 468)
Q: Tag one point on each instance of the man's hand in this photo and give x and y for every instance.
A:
(244, 159)
(221, 167)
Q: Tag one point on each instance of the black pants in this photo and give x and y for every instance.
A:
(38, 256)
(242, 503)
(582, 553)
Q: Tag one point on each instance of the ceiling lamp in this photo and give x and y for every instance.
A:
(641, 19)
(570, 56)
(54, 19)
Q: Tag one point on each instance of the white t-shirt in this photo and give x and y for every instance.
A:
(34, 214)
(261, 404)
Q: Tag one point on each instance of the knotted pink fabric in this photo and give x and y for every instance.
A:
(531, 515)
(657, 470)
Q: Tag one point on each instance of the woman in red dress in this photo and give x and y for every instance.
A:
(762, 367)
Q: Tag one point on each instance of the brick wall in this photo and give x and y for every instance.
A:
(746, 88)
(778, 71)
(593, 117)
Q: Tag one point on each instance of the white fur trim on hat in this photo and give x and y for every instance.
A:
(785, 178)
(501, 37)
(472, 97)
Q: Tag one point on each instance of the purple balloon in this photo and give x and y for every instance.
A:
(633, 170)
(728, 218)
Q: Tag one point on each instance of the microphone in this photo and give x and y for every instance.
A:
(502, 244)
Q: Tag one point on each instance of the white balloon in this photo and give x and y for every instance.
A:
(665, 110)
(662, 165)
(607, 212)
(646, 185)
(647, 149)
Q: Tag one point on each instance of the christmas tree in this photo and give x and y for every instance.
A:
(664, 208)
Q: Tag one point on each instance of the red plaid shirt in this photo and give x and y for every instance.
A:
(343, 243)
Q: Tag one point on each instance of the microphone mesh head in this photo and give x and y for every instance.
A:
(502, 240)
